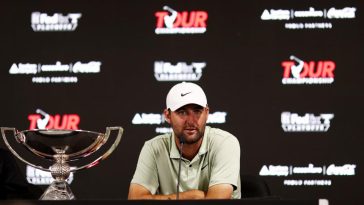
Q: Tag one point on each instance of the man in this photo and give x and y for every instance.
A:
(210, 166)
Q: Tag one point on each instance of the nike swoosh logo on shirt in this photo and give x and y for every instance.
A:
(203, 167)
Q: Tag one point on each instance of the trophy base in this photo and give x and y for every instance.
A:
(58, 190)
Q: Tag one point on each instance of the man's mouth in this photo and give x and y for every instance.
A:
(190, 130)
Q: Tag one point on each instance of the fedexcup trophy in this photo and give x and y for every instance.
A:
(62, 148)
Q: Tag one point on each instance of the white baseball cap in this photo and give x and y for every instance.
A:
(185, 93)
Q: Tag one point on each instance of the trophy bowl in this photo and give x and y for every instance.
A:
(62, 148)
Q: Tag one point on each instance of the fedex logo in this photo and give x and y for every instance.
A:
(298, 71)
(293, 122)
(170, 21)
(43, 120)
(57, 22)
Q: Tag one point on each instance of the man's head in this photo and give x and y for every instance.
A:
(187, 111)
(185, 93)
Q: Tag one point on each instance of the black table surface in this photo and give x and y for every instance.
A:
(249, 201)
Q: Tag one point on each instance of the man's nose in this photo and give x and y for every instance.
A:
(191, 117)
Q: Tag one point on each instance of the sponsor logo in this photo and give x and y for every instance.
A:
(344, 170)
(43, 120)
(39, 177)
(148, 119)
(57, 22)
(292, 122)
(158, 119)
(274, 170)
(311, 169)
(297, 71)
(184, 94)
(57, 69)
(170, 21)
(325, 15)
(182, 71)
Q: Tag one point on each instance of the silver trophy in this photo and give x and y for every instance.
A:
(62, 149)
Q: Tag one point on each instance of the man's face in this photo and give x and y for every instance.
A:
(188, 122)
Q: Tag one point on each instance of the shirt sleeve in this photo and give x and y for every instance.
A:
(225, 162)
(146, 170)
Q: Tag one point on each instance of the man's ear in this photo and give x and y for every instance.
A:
(207, 110)
(167, 115)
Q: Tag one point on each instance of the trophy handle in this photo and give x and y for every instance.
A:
(108, 152)
(3, 129)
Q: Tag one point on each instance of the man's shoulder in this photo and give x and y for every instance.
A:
(159, 141)
(219, 136)
(222, 144)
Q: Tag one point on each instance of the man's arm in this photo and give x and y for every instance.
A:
(220, 191)
(137, 191)
(225, 169)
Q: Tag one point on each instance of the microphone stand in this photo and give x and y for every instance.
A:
(179, 166)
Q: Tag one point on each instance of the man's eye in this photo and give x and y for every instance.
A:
(199, 111)
(182, 112)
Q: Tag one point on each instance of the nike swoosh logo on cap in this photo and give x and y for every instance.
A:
(183, 94)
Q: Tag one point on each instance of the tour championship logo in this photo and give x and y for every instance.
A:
(181, 71)
(43, 120)
(297, 71)
(171, 21)
(42, 22)
(293, 122)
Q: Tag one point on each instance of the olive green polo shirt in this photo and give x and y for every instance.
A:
(217, 162)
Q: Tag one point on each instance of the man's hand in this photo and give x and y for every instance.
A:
(192, 194)
(137, 191)
(219, 191)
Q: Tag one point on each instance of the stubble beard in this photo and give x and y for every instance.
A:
(193, 140)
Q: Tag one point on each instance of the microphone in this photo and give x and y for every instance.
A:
(181, 142)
